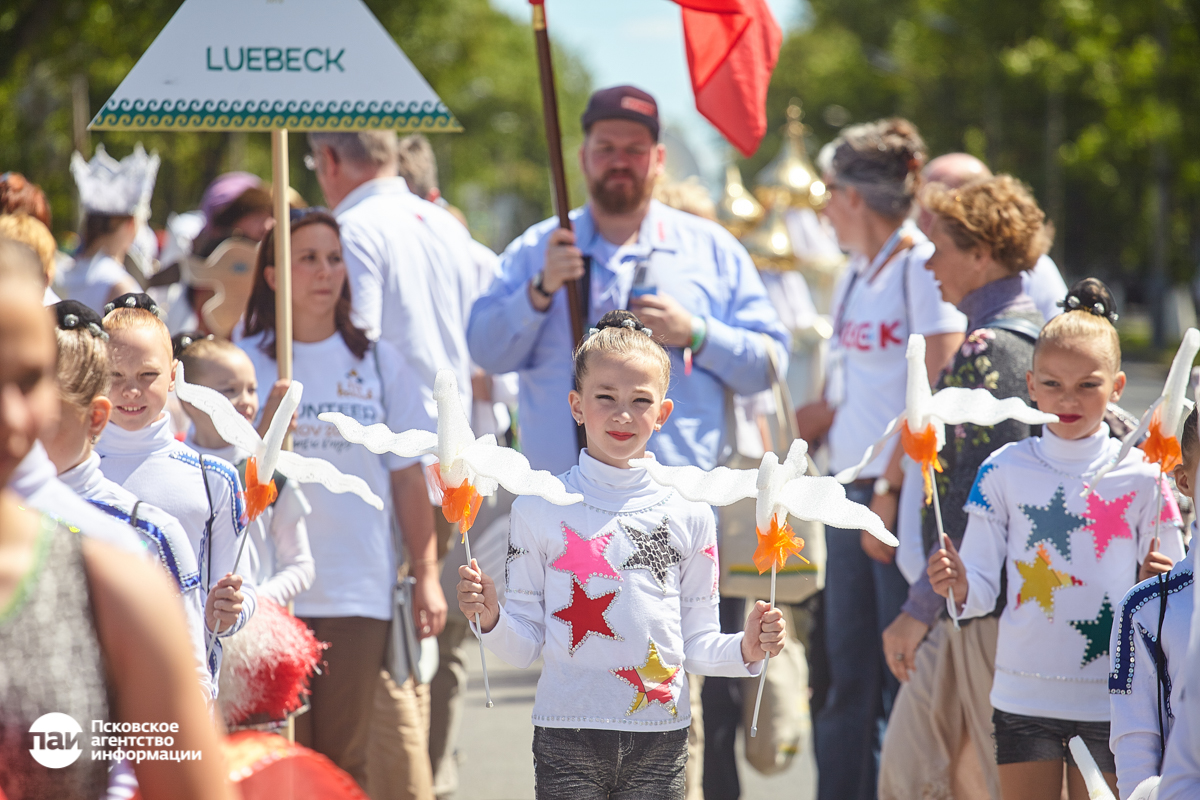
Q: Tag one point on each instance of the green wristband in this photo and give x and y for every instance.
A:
(699, 333)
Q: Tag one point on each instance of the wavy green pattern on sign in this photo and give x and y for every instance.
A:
(267, 115)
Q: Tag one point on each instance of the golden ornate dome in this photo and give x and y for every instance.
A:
(792, 170)
(738, 211)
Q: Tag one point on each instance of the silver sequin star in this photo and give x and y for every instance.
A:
(654, 551)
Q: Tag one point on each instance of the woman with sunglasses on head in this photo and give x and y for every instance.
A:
(873, 173)
(349, 603)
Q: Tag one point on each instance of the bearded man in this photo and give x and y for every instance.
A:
(696, 289)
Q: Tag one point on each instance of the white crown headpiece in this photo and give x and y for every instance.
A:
(108, 186)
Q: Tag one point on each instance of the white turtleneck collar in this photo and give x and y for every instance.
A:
(85, 477)
(1077, 455)
(34, 472)
(229, 452)
(612, 488)
(155, 437)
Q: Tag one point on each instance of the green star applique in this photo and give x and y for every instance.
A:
(1053, 523)
(1096, 632)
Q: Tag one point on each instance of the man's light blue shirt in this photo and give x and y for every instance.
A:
(695, 261)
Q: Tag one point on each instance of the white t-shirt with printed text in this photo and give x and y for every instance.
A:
(352, 545)
(875, 315)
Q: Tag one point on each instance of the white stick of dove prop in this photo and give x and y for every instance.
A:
(469, 469)
(1164, 416)
(779, 489)
(922, 426)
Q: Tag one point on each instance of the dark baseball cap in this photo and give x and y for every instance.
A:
(622, 102)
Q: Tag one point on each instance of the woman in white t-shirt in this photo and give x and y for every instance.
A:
(872, 172)
(349, 604)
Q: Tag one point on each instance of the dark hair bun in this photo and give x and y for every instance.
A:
(1092, 296)
(184, 339)
(73, 315)
(133, 300)
(620, 318)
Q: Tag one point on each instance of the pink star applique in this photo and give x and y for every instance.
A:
(1107, 520)
(711, 552)
(584, 558)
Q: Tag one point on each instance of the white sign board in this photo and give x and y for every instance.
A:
(270, 64)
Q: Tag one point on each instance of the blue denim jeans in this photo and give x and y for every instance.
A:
(862, 597)
(589, 764)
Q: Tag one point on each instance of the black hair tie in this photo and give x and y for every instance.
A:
(1073, 303)
(75, 316)
(133, 300)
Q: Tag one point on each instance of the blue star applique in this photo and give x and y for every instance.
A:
(1053, 523)
(977, 497)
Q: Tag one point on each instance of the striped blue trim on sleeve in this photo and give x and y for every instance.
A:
(1120, 680)
(166, 555)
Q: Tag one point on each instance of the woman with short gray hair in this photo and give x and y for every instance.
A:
(872, 172)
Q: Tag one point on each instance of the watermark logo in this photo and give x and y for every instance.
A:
(56, 740)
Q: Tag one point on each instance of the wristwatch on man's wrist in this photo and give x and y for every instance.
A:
(537, 285)
(884, 486)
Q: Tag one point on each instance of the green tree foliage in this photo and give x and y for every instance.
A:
(479, 61)
(1092, 102)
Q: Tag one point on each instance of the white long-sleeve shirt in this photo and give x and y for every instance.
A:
(413, 259)
(1134, 691)
(1181, 764)
(153, 465)
(36, 482)
(165, 538)
(278, 556)
(618, 594)
(1068, 561)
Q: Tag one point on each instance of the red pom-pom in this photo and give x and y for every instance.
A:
(266, 666)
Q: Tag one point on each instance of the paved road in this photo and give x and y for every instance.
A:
(496, 763)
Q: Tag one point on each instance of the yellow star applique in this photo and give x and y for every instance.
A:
(1042, 580)
(652, 681)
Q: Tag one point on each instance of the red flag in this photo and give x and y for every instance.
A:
(732, 47)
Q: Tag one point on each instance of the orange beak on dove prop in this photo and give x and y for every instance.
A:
(467, 469)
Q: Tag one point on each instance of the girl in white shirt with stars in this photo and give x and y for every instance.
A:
(1068, 555)
(614, 593)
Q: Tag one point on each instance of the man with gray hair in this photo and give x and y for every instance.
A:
(409, 266)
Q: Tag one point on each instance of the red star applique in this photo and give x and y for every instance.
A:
(652, 681)
(584, 558)
(585, 615)
(1107, 520)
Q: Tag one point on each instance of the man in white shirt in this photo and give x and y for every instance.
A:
(413, 281)
(412, 274)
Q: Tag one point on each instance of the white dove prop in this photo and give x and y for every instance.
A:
(266, 454)
(1164, 416)
(468, 470)
(923, 422)
(779, 489)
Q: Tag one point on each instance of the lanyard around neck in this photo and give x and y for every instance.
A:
(899, 240)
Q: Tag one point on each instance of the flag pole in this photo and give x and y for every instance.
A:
(283, 291)
(562, 204)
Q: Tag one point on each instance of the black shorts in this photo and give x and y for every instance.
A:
(1020, 738)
